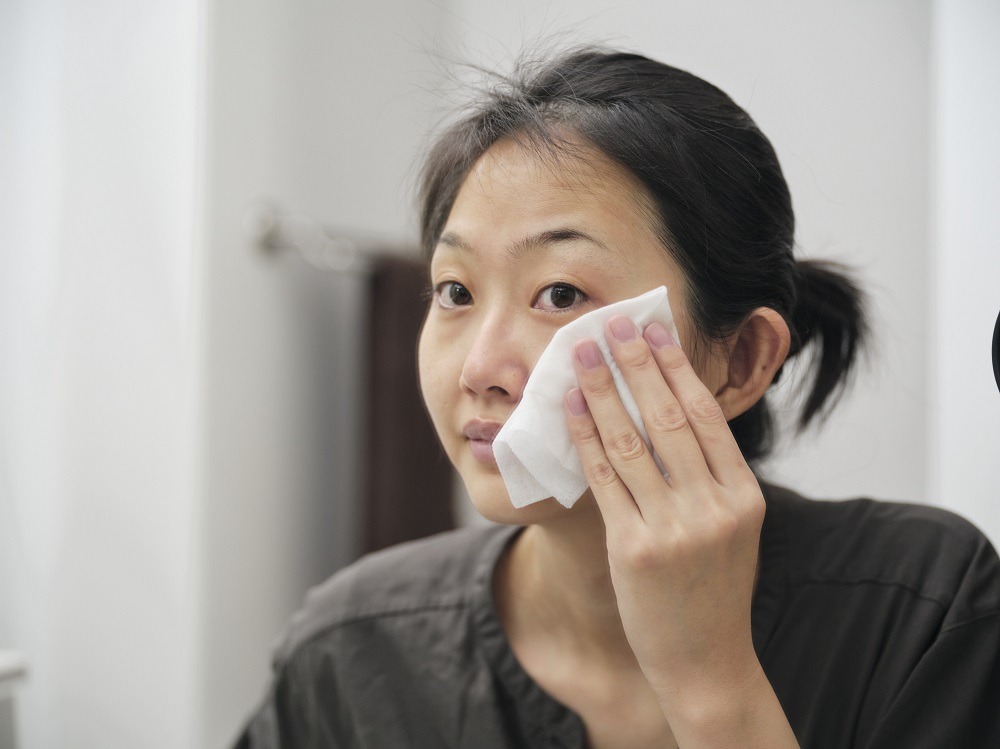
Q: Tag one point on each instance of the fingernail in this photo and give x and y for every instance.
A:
(622, 328)
(659, 336)
(588, 354)
(576, 402)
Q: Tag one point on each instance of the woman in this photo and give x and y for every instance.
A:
(698, 609)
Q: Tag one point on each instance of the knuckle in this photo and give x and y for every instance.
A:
(603, 388)
(753, 511)
(584, 431)
(642, 556)
(627, 446)
(666, 417)
(602, 475)
(706, 409)
(726, 527)
(686, 547)
(732, 522)
(701, 537)
(673, 360)
(637, 357)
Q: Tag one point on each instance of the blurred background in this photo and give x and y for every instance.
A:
(184, 416)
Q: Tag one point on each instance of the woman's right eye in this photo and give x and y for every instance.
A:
(451, 294)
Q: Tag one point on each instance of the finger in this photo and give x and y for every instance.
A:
(667, 424)
(613, 498)
(704, 415)
(620, 440)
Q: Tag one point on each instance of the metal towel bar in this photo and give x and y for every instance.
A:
(272, 230)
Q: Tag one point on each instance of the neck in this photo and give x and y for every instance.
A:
(554, 586)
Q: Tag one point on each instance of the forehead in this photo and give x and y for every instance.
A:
(564, 175)
(518, 192)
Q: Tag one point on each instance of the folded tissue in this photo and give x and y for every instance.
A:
(536, 457)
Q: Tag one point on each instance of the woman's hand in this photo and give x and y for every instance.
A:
(682, 548)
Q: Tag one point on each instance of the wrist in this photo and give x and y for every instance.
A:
(735, 709)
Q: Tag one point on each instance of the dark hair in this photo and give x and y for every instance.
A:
(724, 209)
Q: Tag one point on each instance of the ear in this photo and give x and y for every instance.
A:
(758, 352)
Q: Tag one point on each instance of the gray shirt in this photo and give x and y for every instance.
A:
(878, 625)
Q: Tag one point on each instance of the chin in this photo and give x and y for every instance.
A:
(490, 498)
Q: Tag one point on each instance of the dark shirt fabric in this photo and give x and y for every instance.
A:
(877, 623)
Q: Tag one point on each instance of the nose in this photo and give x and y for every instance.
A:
(497, 363)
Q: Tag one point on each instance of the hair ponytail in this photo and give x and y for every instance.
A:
(828, 317)
(829, 314)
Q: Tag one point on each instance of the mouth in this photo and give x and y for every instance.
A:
(481, 434)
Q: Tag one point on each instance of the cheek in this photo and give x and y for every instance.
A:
(692, 343)
(424, 373)
(433, 366)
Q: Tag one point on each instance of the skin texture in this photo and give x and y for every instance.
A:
(633, 607)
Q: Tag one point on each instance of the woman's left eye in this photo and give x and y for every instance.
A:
(560, 297)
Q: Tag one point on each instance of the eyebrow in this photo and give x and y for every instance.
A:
(521, 247)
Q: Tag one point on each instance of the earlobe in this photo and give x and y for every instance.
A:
(758, 351)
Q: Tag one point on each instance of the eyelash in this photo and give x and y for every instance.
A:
(435, 294)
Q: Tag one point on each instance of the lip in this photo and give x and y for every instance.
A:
(481, 429)
(481, 434)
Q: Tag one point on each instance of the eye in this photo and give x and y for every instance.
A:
(560, 296)
(451, 294)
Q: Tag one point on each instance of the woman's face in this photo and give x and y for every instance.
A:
(530, 245)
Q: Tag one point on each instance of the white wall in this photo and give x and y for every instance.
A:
(179, 411)
(320, 107)
(98, 316)
(965, 263)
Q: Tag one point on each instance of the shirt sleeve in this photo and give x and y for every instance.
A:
(300, 711)
(952, 698)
